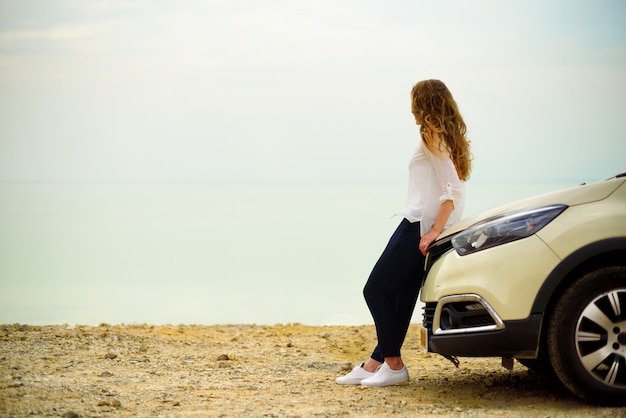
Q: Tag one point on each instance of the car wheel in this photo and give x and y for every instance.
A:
(587, 336)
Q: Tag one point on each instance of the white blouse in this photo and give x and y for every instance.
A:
(432, 180)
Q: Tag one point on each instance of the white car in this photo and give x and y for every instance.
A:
(541, 280)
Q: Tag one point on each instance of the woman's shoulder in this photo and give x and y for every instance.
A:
(438, 147)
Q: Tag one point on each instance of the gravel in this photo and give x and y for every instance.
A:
(285, 370)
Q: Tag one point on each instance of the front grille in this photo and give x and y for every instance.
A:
(428, 315)
(464, 314)
(438, 249)
(459, 314)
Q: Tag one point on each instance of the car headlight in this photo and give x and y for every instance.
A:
(504, 228)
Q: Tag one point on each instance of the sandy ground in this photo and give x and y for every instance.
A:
(251, 371)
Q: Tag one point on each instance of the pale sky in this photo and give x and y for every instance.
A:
(137, 90)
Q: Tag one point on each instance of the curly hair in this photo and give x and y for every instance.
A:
(436, 110)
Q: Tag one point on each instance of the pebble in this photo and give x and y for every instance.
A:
(347, 367)
(113, 402)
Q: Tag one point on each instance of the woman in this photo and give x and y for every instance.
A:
(437, 171)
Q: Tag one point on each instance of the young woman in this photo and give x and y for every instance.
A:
(437, 171)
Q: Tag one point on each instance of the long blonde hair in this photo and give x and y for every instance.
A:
(436, 110)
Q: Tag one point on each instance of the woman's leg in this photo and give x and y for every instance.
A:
(391, 292)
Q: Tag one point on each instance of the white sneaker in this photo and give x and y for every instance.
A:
(386, 376)
(355, 377)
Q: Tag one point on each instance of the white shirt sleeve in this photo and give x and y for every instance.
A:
(447, 177)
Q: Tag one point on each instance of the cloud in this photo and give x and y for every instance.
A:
(298, 89)
(54, 34)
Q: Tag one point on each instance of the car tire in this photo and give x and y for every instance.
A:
(587, 336)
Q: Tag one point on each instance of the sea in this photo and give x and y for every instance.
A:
(201, 252)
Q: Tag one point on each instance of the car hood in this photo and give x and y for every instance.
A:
(573, 196)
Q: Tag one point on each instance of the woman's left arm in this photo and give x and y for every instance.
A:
(445, 209)
(451, 191)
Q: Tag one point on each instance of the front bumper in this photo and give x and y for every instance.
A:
(487, 338)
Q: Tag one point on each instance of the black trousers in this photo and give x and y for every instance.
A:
(392, 289)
